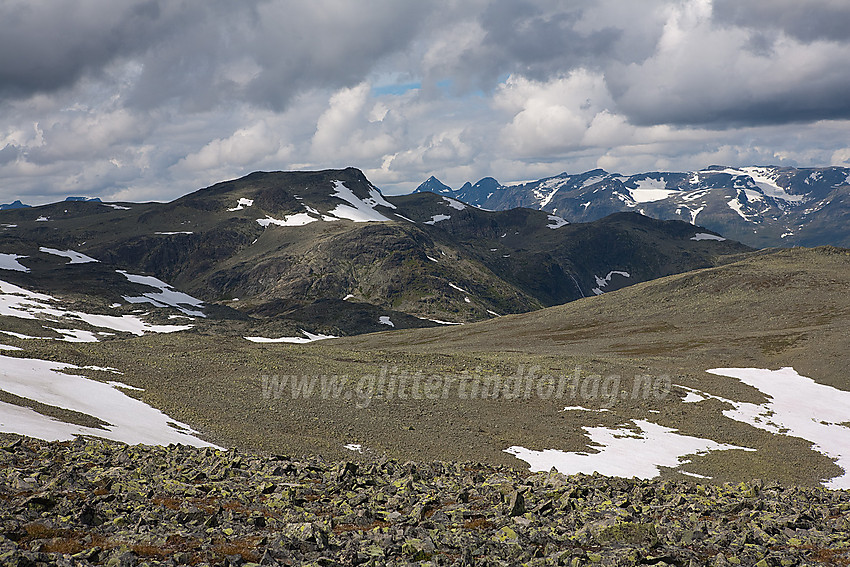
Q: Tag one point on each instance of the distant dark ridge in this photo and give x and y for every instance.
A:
(14, 205)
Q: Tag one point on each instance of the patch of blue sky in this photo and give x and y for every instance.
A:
(395, 89)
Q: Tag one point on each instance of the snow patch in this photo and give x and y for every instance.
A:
(442, 322)
(765, 179)
(167, 296)
(695, 213)
(241, 204)
(75, 257)
(42, 219)
(10, 262)
(650, 190)
(298, 219)
(174, 233)
(359, 210)
(307, 338)
(695, 475)
(556, 222)
(326, 218)
(706, 236)
(592, 181)
(438, 218)
(799, 407)
(24, 304)
(735, 205)
(75, 335)
(455, 204)
(385, 320)
(602, 282)
(624, 452)
(356, 447)
(129, 420)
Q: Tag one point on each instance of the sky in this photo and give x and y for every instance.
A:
(146, 100)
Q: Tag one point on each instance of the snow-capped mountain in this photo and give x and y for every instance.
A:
(760, 206)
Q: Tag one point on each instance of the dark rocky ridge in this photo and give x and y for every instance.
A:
(98, 503)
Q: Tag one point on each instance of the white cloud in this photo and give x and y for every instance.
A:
(551, 117)
(149, 101)
(244, 147)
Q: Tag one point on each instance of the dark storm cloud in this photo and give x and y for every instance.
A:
(46, 46)
(186, 51)
(9, 153)
(807, 21)
(735, 64)
(325, 43)
(535, 39)
(522, 37)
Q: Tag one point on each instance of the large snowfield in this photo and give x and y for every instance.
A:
(795, 405)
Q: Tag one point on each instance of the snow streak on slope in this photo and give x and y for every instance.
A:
(765, 180)
(455, 204)
(127, 419)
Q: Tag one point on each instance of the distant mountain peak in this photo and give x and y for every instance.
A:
(82, 199)
(14, 205)
(434, 185)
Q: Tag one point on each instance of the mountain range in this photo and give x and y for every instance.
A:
(759, 206)
(326, 252)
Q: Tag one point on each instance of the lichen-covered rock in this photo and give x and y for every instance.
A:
(92, 502)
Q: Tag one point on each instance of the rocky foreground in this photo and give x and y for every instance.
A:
(91, 502)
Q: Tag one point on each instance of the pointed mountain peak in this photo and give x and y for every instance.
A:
(433, 185)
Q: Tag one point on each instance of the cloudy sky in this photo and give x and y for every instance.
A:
(151, 99)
